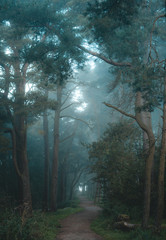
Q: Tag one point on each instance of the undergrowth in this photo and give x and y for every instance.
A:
(103, 227)
(41, 226)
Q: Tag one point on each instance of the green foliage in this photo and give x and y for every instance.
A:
(146, 234)
(122, 30)
(150, 81)
(41, 226)
(103, 226)
(70, 203)
(112, 21)
(4, 147)
(115, 159)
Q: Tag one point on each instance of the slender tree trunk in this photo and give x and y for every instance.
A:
(77, 174)
(160, 202)
(65, 166)
(63, 182)
(46, 160)
(74, 182)
(54, 180)
(71, 193)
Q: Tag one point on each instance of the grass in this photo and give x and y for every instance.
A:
(41, 226)
(47, 225)
(103, 227)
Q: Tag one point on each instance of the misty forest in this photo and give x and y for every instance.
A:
(82, 119)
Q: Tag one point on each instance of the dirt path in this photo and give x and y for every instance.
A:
(77, 226)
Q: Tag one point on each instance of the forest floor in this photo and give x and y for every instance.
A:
(77, 226)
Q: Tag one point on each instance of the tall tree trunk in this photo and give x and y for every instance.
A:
(160, 201)
(46, 160)
(20, 129)
(149, 160)
(63, 182)
(77, 175)
(146, 119)
(147, 187)
(54, 179)
(22, 161)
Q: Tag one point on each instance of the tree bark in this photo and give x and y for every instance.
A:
(160, 201)
(20, 128)
(22, 161)
(149, 161)
(54, 180)
(63, 183)
(46, 160)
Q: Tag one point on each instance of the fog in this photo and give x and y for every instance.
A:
(83, 108)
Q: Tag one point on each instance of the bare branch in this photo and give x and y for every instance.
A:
(67, 106)
(119, 110)
(63, 140)
(109, 61)
(75, 119)
(68, 95)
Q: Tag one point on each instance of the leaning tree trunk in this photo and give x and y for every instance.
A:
(46, 164)
(54, 179)
(160, 201)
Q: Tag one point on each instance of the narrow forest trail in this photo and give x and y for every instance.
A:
(77, 226)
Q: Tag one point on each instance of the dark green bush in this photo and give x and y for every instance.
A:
(41, 226)
(11, 227)
(145, 235)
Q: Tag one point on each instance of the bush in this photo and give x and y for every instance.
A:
(11, 227)
(103, 226)
(145, 235)
(41, 226)
(113, 209)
